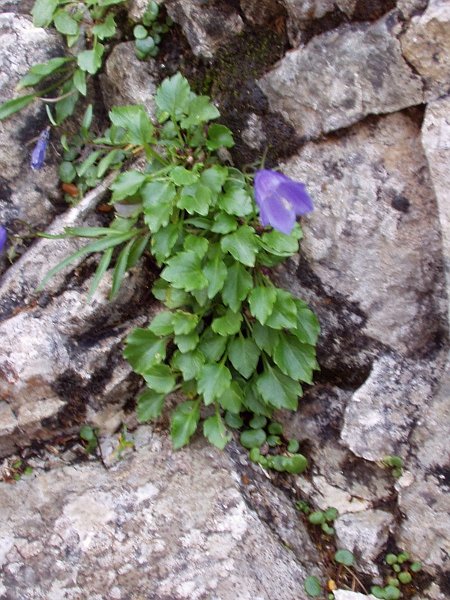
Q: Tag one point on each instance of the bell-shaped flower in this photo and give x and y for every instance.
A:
(38, 154)
(280, 200)
(3, 236)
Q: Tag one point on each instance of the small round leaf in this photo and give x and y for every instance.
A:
(345, 557)
(312, 586)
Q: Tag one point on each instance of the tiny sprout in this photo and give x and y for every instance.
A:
(275, 428)
(303, 507)
(405, 577)
(317, 517)
(253, 438)
(393, 461)
(312, 586)
(293, 446)
(393, 581)
(415, 567)
(396, 568)
(255, 454)
(377, 591)
(345, 557)
(28, 471)
(391, 592)
(330, 596)
(402, 557)
(274, 440)
(258, 422)
(331, 513)
(327, 529)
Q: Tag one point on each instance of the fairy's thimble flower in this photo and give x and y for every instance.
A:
(280, 200)
(3, 236)
(38, 154)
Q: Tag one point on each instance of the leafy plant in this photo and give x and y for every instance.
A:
(148, 34)
(90, 436)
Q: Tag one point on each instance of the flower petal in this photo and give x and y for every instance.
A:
(38, 154)
(295, 193)
(3, 235)
(277, 213)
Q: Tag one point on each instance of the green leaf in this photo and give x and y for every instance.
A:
(254, 403)
(182, 176)
(12, 106)
(224, 223)
(149, 406)
(173, 96)
(163, 241)
(106, 29)
(279, 243)
(216, 273)
(67, 172)
(120, 269)
(101, 270)
(200, 110)
(38, 72)
(232, 398)
(214, 177)
(184, 322)
(64, 108)
(295, 464)
(308, 327)
(199, 245)
(237, 286)
(212, 345)
(244, 355)
(277, 389)
(215, 431)
(284, 312)
(229, 324)
(162, 324)
(345, 557)
(65, 24)
(143, 350)
(158, 203)
(265, 337)
(159, 378)
(185, 420)
(43, 11)
(219, 135)
(236, 202)
(261, 301)
(185, 271)
(195, 199)
(253, 438)
(233, 420)
(313, 587)
(107, 161)
(127, 184)
(136, 121)
(242, 245)
(87, 118)
(213, 380)
(186, 341)
(91, 60)
(188, 363)
(295, 359)
(87, 164)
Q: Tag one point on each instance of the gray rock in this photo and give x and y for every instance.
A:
(346, 595)
(136, 8)
(426, 45)
(365, 534)
(374, 233)
(306, 11)
(158, 524)
(261, 12)
(24, 194)
(206, 25)
(342, 76)
(128, 80)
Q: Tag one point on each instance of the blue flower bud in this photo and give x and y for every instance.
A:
(280, 200)
(38, 154)
(3, 236)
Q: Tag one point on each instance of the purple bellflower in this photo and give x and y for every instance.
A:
(3, 235)
(280, 200)
(38, 154)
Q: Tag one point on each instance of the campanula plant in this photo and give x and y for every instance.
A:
(229, 339)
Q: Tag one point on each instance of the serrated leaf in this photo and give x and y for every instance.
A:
(236, 202)
(277, 389)
(91, 60)
(43, 11)
(224, 223)
(199, 245)
(162, 323)
(143, 350)
(284, 312)
(186, 342)
(212, 345)
(127, 184)
(188, 363)
(184, 322)
(232, 398)
(200, 110)
(136, 122)
(295, 358)
(216, 273)
(308, 327)
(158, 203)
(160, 379)
(214, 177)
(106, 29)
(173, 96)
(149, 406)
(265, 337)
(280, 243)
(215, 431)
(195, 199)
(261, 300)
(254, 403)
(244, 355)
(242, 245)
(184, 423)
(181, 176)
(229, 324)
(237, 286)
(65, 24)
(212, 381)
(185, 271)
(163, 241)
(218, 136)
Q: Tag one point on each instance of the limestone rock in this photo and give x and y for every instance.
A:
(426, 45)
(364, 534)
(24, 194)
(340, 77)
(206, 25)
(158, 524)
(128, 80)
